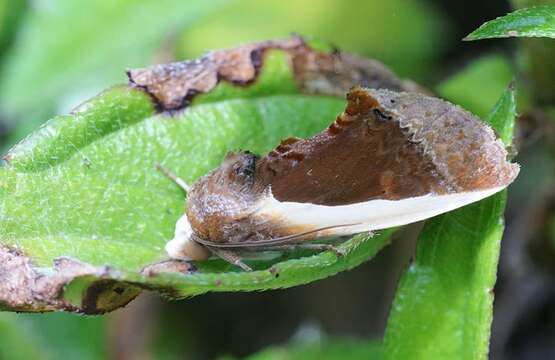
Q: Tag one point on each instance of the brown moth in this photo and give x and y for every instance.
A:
(390, 159)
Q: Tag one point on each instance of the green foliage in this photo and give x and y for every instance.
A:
(52, 336)
(536, 56)
(502, 117)
(478, 85)
(366, 27)
(538, 21)
(16, 341)
(330, 349)
(10, 14)
(68, 51)
(443, 306)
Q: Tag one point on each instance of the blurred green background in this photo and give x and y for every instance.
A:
(54, 54)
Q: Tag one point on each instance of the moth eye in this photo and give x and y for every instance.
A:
(380, 115)
(247, 172)
(392, 101)
(243, 171)
(238, 170)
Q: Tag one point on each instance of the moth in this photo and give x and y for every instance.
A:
(390, 159)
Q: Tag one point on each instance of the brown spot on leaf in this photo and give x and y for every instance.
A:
(173, 86)
(23, 287)
(106, 295)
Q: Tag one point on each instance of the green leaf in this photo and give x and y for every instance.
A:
(443, 305)
(535, 61)
(503, 114)
(538, 21)
(81, 202)
(477, 86)
(328, 349)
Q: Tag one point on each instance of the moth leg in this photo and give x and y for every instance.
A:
(230, 257)
(176, 179)
(317, 247)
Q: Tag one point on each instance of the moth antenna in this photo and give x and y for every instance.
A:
(272, 241)
(176, 179)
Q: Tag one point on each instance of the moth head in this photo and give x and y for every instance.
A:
(235, 174)
(223, 196)
(237, 170)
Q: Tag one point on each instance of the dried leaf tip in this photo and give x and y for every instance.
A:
(174, 86)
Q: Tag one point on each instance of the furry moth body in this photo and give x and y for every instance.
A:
(389, 159)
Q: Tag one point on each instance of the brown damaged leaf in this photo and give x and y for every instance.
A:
(27, 288)
(173, 86)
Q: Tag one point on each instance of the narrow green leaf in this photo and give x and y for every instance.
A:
(538, 21)
(443, 306)
(503, 114)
